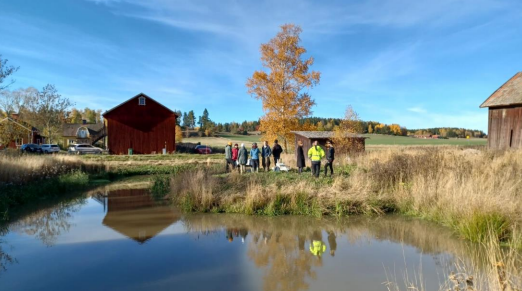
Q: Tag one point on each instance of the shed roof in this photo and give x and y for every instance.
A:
(70, 129)
(323, 134)
(508, 94)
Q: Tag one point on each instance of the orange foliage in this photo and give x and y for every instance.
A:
(280, 88)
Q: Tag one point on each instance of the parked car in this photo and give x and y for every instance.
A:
(80, 149)
(203, 150)
(49, 148)
(29, 147)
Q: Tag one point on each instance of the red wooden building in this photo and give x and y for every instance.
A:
(141, 124)
(30, 133)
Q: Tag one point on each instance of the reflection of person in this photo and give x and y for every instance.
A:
(300, 156)
(317, 247)
(301, 242)
(230, 235)
(267, 235)
(243, 232)
(332, 242)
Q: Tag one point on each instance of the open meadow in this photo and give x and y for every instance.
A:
(374, 141)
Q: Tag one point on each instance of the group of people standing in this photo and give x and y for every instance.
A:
(238, 157)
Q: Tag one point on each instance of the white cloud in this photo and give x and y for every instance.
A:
(417, 110)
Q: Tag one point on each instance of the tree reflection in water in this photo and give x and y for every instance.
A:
(5, 258)
(49, 223)
(284, 246)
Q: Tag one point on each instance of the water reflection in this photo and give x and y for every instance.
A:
(291, 250)
(5, 258)
(49, 223)
(135, 214)
(287, 253)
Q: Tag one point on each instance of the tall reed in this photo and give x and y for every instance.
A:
(468, 190)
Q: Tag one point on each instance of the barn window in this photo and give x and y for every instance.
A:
(142, 101)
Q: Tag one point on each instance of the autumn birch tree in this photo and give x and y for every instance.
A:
(350, 126)
(281, 86)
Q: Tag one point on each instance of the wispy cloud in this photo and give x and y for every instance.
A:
(417, 109)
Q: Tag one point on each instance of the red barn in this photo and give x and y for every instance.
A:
(141, 124)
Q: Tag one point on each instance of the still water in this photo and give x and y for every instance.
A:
(125, 240)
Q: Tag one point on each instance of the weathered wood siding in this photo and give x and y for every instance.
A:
(505, 128)
(307, 144)
(144, 128)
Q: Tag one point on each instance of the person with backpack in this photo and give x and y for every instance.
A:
(276, 151)
(330, 157)
(266, 152)
(242, 158)
(316, 154)
(254, 158)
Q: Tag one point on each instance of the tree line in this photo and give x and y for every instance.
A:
(449, 132)
(29, 106)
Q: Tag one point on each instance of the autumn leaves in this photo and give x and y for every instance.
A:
(280, 86)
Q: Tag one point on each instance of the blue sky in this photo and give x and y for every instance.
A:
(419, 63)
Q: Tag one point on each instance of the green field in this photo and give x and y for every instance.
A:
(379, 139)
(373, 140)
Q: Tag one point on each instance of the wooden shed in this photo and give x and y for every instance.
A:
(307, 137)
(505, 115)
(141, 124)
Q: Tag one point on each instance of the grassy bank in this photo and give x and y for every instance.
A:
(28, 180)
(470, 191)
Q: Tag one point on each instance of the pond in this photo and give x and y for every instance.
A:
(123, 239)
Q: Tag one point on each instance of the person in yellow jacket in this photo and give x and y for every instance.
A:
(316, 154)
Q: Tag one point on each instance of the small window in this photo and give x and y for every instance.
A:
(142, 100)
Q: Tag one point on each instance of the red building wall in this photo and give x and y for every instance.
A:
(144, 128)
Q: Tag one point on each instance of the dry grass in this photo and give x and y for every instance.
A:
(21, 169)
(468, 190)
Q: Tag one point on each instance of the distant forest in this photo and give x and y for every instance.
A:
(206, 127)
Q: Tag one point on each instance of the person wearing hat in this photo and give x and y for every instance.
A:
(228, 156)
(254, 158)
(242, 158)
(316, 154)
(330, 157)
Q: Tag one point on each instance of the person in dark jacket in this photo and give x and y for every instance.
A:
(242, 158)
(266, 152)
(276, 151)
(330, 157)
(300, 156)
